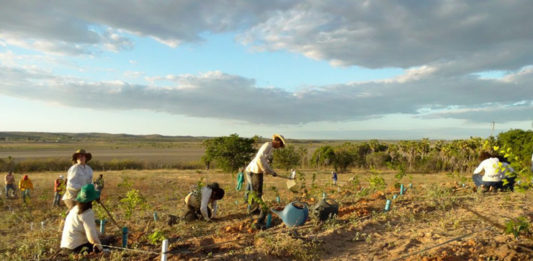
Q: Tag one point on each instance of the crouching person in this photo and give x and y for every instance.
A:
(198, 200)
(79, 233)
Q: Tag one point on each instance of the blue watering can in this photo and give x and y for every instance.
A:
(294, 214)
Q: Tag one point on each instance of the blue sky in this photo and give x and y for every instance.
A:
(307, 69)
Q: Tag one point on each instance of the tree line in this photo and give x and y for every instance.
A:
(462, 155)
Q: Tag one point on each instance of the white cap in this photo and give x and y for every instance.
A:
(60, 176)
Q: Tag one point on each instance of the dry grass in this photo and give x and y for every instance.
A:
(427, 214)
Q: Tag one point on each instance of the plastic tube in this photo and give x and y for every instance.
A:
(387, 205)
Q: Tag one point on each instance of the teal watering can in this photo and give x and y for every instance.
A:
(294, 214)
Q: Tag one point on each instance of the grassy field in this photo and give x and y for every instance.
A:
(436, 209)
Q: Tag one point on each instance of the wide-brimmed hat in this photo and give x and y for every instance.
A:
(87, 194)
(281, 138)
(88, 156)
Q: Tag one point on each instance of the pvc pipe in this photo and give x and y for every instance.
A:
(164, 250)
(323, 195)
(31, 226)
(278, 199)
(410, 185)
(269, 220)
(463, 185)
(401, 189)
(394, 196)
(42, 224)
(155, 216)
(387, 205)
(124, 237)
(102, 226)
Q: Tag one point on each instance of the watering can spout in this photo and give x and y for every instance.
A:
(276, 212)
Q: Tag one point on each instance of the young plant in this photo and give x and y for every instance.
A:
(156, 237)
(132, 201)
(517, 226)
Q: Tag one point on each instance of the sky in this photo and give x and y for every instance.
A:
(306, 69)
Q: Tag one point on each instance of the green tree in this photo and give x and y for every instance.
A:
(286, 158)
(229, 153)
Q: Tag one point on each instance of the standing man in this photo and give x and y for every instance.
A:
(59, 189)
(79, 175)
(334, 177)
(99, 183)
(10, 183)
(261, 165)
(25, 185)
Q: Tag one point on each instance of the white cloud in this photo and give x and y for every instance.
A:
(224, 96)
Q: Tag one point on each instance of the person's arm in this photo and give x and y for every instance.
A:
(214, 206)
(91, 232)
(206, 195)
(263, 158)
(480, 168)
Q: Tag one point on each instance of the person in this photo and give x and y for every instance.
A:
(531, 162)
(255, 170)
(334, 177)
(293, 174)
(79, 175)
(494, 172)
(59, 189)
(99, 183)
(198, 200)
(10, 184)
(79, 232)
(25, 185)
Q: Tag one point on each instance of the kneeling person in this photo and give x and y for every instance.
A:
(197, 202)
(80, 232)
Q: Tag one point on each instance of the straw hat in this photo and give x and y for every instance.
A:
(87, 194)
(281, 138)
(88, 156)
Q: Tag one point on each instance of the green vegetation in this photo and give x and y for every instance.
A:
(229, 153)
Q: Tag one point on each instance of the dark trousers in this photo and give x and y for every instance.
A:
(195, 214)
(478, 180)
(87, 247)
(257, 188)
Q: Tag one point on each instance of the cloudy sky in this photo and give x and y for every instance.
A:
(307, 69)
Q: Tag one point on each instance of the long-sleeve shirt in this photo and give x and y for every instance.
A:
(78, 176)
(494, 172)
(79, 229)
(201, 200)
(261, 161)
(10, 179)
(25, 184)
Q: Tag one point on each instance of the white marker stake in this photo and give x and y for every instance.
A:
(164, 250)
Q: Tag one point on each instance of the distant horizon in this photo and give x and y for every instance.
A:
(246, 136)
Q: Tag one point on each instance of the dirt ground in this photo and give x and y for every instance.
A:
(436, 219)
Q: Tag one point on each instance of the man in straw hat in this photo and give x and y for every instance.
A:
(79, 174)
(79, 233)
(261, 165)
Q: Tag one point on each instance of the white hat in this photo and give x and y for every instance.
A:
(60, 176)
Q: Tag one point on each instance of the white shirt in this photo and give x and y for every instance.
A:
(193, 200)
(78, 176)
(261, 162)
(493, 171)
(79, 229)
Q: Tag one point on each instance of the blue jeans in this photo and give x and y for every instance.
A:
(25, 193)
(10, 187)
(57, 199)
(478, 180)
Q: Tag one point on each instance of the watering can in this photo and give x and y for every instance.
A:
(325, 209)
(294, 214)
